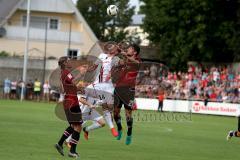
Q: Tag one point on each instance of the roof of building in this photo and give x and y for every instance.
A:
(9, 7)
(56, 6)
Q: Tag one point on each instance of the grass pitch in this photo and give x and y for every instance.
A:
(28, 131)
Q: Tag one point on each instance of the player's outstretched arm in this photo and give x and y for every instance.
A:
(84, 102)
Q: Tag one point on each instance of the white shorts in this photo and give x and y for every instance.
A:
(6, 90)
(102, 91)
(90, 114)
(45, 91)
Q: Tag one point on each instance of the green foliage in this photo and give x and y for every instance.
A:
(104, 26)
(199, 30)
(4, 54)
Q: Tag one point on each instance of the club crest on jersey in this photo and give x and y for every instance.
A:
(70, 76)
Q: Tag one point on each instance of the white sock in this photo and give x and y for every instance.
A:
(68, 139)
(95, 125)
(83, 124)
(108, 117)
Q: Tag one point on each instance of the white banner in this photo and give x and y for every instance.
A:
(147, 104)
(214, 108)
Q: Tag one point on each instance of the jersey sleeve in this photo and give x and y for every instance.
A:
(67, 77)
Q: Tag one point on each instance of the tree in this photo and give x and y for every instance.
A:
(105, 27)
(198, 30)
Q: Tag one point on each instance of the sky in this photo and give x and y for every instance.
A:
(132, 3)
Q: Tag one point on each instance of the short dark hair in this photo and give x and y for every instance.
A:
(61, 61)
(136, 48)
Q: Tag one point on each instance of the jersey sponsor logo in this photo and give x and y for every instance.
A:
(70, 76)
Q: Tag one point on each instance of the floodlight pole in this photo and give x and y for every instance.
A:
(26, 50)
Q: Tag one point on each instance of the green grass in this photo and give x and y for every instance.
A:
(29, 130)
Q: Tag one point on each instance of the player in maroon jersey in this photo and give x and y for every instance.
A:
(124, 93)
(70, 86)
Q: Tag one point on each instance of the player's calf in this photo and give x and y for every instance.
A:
(129, 125)
(117, 119)
(129, 132)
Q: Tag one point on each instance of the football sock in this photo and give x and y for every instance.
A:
(74, 141)
(129, 125)
(118, 122)
(68, 139)
(108, 118)
(65, 135)
(95, 125)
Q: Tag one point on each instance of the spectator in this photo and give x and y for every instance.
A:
(220, 83)
(7, 86)
(13, 92)
(153, 71)
(20, 84)
(29, 90)
(160, 99)
(46, 91)
(37, 89)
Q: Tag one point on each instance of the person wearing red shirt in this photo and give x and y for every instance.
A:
(71, 106)
(160, 99)
(124, 92)
(213, 96)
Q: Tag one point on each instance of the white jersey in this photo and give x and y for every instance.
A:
(88, 113)
(107, 63)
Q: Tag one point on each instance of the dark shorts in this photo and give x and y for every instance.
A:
(74, 115)
(37, 93)
(124, 96)
(13, 91)
(160, 103)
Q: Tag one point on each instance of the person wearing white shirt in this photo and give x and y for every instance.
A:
(46, 91)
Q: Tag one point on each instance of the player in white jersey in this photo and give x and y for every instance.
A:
(103, 88)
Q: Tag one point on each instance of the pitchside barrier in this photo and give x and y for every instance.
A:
(212, 108)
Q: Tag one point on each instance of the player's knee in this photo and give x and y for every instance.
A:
(128, 115)
(77, 128)
(101, 122)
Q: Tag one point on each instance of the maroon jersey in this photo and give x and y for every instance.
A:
(70, 90)
(128, 75)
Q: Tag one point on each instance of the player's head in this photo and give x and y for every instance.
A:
(83, 68)
(133, 50)
(111, 48)
(114, 50)
(62, 62)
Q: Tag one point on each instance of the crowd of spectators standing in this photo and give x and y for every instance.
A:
(215, 83)
(33, 90)
(212, 83)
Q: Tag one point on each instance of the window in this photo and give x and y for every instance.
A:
(72, 53)
(53, 23)
(40, 22)
(35, 22)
